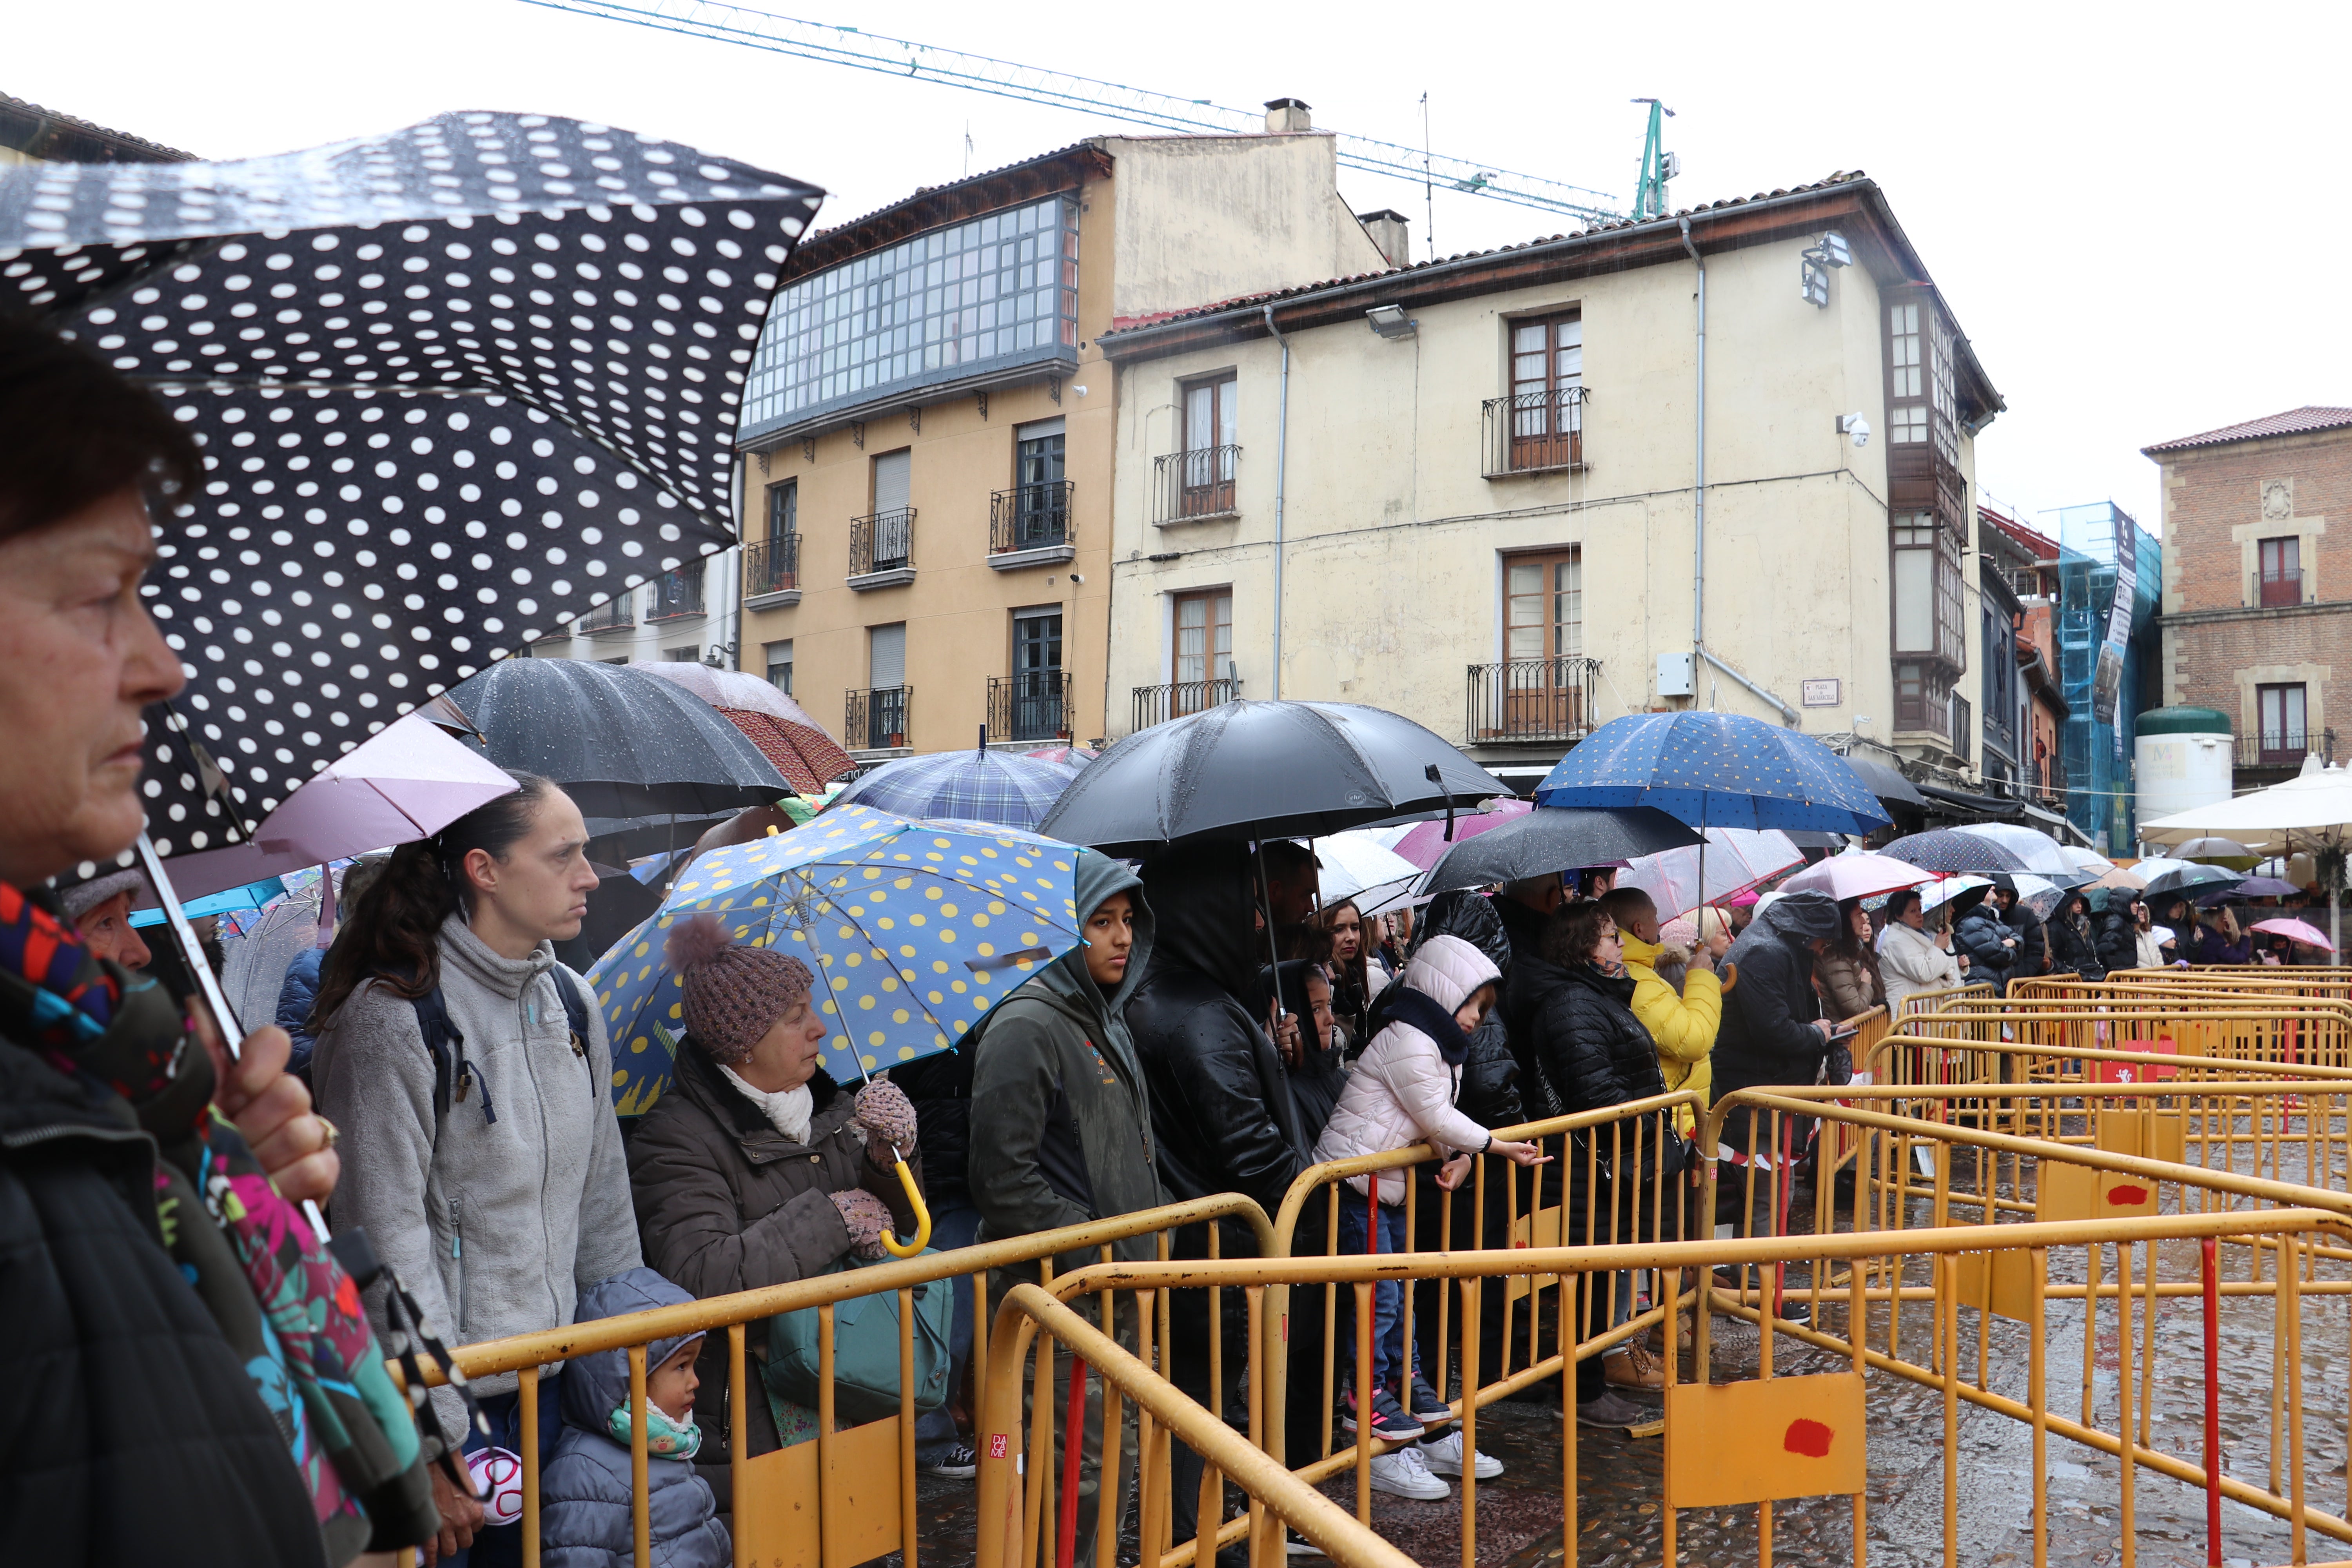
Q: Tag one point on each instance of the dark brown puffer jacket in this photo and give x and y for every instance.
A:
(726, 1203)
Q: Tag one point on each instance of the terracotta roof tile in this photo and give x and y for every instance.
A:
(1127, 323)
(2293, 422)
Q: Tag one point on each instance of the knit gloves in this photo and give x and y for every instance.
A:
(867, 1217)
(888, 1119)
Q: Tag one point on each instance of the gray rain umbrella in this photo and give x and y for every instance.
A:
(1553, 838)
(1952, 854)
(622, 743)
(455, 385)
(1246, 770)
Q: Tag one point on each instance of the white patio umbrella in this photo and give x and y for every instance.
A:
(2310, 813)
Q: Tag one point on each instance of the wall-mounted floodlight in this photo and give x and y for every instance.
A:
(1855, 426)
(1390, 321)
(1831, 251)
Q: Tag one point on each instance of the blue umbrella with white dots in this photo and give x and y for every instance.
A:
(913, 929)
(1714, 770)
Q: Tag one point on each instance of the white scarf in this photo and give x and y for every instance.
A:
(787, 1110)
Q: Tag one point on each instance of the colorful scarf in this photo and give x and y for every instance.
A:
(280, 1298)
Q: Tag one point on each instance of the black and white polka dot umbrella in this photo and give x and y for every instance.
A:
(455, 386)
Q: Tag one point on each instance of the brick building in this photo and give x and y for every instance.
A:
(2257, 611)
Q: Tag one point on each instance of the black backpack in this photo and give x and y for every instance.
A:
(452, 1074)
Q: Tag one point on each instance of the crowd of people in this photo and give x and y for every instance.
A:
(1219, 1029)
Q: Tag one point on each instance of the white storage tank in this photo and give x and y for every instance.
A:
(2185, 760)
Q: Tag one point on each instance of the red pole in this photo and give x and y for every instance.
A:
(1072, 1441)
(2212, 1409)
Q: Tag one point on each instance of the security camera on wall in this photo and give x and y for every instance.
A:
(1855, 426)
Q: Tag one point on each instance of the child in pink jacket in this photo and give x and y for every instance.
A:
(1400, 1092)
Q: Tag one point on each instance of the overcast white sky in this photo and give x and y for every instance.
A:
(2131, 209)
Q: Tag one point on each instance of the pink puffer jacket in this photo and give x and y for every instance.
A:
(1401, 1090)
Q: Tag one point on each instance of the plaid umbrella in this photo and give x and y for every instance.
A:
(1949, 852)
(967, 786)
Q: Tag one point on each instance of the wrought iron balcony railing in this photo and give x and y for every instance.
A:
(875, 719)
(1032, 706)
(2270, 590)
(882, 542)
(2280, 748)
(1531, 699)
(772, 565)
(1156, 704)
(1187, 487)
(1030, 517)
(618, 616)
(675, 595)
(1530, 432)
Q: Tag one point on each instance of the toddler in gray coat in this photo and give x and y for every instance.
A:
(586, 1519)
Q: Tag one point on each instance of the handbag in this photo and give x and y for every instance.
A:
(864, 1351)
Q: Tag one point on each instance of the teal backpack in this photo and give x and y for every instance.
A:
(864, 1353)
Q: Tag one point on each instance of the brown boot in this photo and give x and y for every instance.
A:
(1636, 1368)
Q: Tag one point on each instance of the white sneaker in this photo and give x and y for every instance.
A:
(1401, 1474)
(1444, 1457)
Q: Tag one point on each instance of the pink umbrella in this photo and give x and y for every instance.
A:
(408, 782)
(2296, 930)
(1844, 876)
(1426, 844)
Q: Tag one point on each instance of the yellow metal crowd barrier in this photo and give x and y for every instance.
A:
(1779, 1436)
(848, 1496)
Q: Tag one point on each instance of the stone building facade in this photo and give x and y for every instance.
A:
(2257, 611)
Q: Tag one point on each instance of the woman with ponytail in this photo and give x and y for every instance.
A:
(469, 1074)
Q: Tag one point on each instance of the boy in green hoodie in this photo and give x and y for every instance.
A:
(1061, 1127)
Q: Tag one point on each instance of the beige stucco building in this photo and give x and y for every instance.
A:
(930, 432)
(1483, 477)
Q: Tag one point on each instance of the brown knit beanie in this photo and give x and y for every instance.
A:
(734, 995)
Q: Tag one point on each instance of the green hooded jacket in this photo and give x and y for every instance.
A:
(1061, 1126)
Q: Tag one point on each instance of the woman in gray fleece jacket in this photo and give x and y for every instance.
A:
(489, 1171)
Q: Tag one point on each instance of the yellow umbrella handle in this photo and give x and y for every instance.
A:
(922, 1219)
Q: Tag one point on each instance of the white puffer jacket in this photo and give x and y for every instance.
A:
(1401, 1090)
(1910, 961)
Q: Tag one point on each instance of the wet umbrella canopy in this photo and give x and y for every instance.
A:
(1949, 852)
(1264, 770)
(966, 786)
(622, 742)
(455, 386)
(1714, 770)
(1550, 839)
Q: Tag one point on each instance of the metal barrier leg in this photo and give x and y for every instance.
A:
(1074, 1425)
(2213, 1280)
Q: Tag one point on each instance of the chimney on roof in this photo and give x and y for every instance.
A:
(1286, 114)
(1391, 231)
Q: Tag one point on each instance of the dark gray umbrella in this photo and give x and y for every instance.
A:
(455, 385)
(1553, 838)
(2190, 879)
(1264, 770)
(1951, 854)
(622, 743)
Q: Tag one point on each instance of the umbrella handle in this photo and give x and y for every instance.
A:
(922, 1219)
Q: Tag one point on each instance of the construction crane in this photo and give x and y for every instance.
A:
(1032, 84)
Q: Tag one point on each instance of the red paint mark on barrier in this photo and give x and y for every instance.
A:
(997, 1444)
(1807, 1438)
(2126, 1197)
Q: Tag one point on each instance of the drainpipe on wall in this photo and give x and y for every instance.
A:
(1281, 460)
(1789, 716)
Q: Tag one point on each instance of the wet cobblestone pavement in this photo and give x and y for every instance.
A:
(1620, 1478)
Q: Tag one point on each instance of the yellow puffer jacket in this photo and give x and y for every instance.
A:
(1683, 1026)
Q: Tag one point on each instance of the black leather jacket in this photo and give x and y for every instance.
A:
(1220, 1103)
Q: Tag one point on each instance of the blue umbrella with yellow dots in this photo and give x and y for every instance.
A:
(913, 928)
